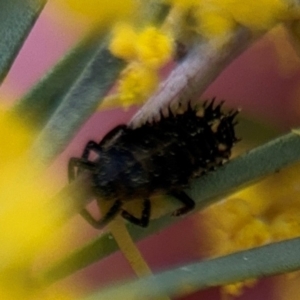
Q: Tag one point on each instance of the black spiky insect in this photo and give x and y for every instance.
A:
(157, 157)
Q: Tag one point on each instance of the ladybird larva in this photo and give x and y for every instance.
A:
(157, 157)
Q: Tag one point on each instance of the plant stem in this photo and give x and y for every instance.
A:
(203, 63)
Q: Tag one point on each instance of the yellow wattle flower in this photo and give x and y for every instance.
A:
(256, 15)
(99, 13)
(150, 47)
(236, 289)
(15, 135)
(154, 48)
(264, 213)
(137, 84)
(123, 41)
(212, 18)
(214, 23)
(27, 221)
(147, 51)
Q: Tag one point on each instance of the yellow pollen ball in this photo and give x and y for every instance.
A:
(214, 23)
(259, 15)
(154, 48)
(136, 85)
(99, 12)
(237, 214)
(286, 225)
(123, 42)
(255, 233)
(256, 15)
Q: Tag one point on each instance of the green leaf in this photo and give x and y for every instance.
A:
(273, 259)
(38, 105)
(17, 17)
(78, 104)
(238, 173)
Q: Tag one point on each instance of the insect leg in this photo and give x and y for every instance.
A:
(79, 164)
(144, 220)
(90, 146)
(189, 203)
(93, 146)
(98, 224)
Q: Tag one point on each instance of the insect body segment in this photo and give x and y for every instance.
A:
(157, 157)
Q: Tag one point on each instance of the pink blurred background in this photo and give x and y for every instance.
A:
(264, 81)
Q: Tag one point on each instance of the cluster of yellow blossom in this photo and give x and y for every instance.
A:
(265, 213)
(150, 48)
(96, 13)
(147, 50)
(27, 224)
(215, 17)
(209, 16)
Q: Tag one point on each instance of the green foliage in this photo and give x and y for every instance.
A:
(16, 20)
